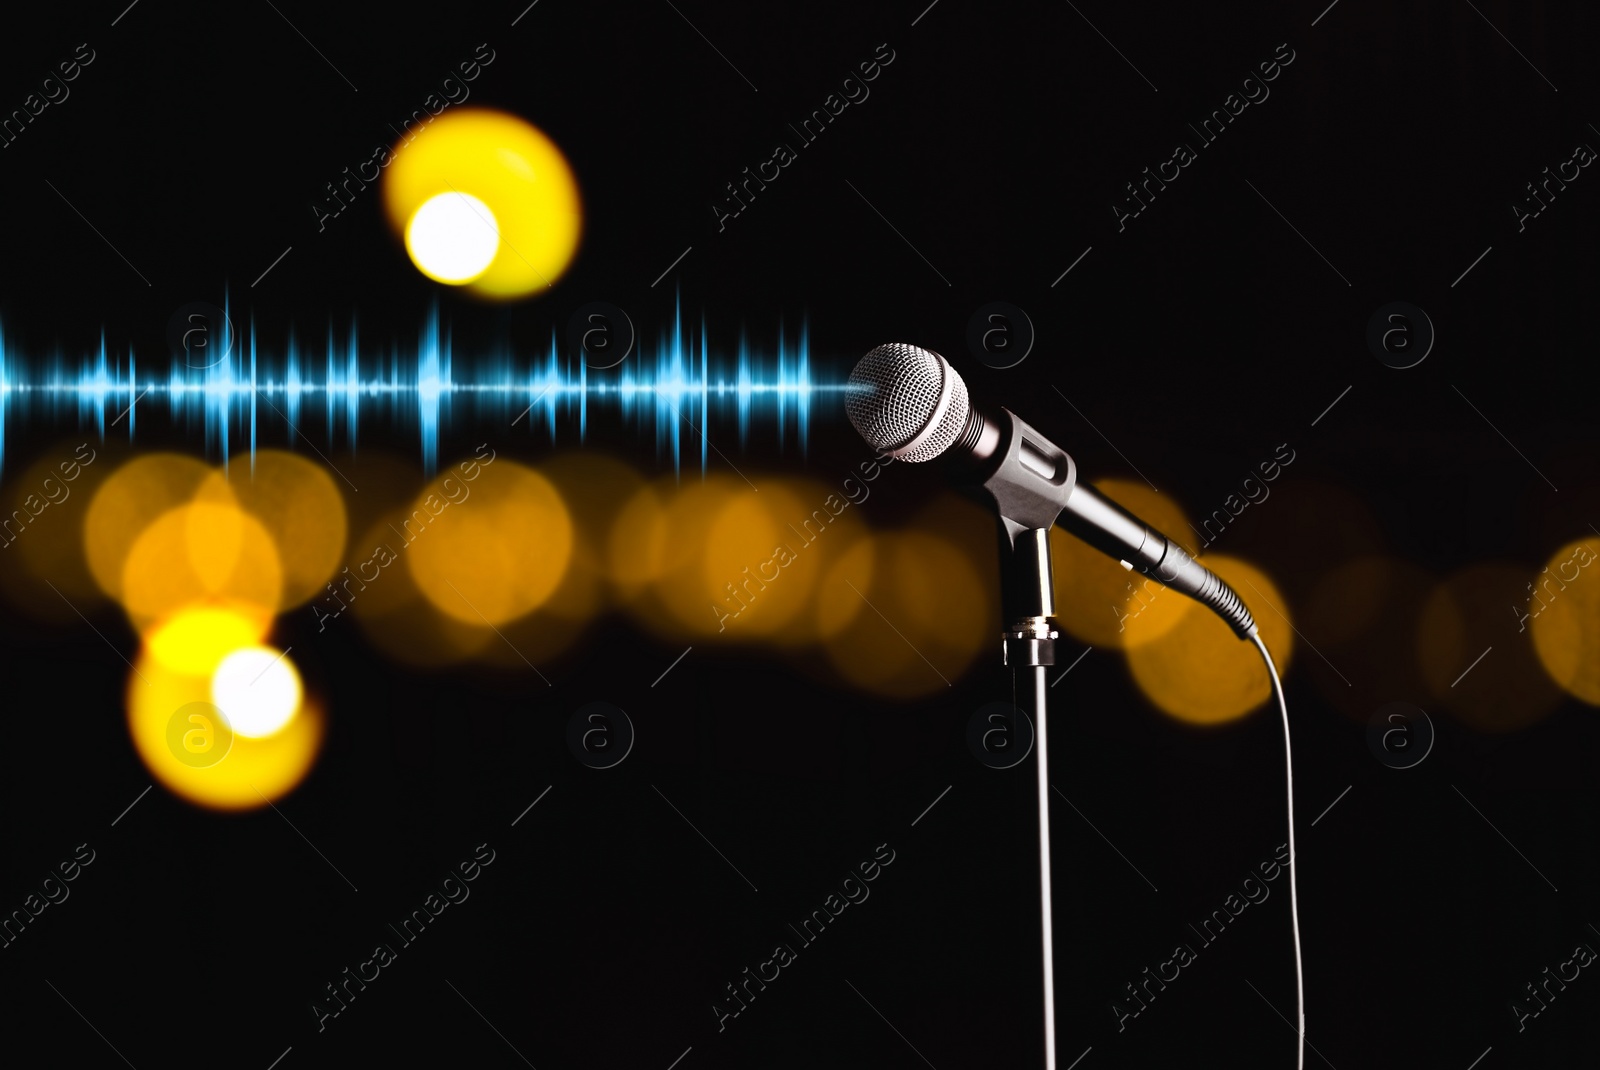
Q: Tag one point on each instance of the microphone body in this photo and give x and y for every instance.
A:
(1034, 485)
(911, 404)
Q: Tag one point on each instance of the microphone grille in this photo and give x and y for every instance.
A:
(906, 401)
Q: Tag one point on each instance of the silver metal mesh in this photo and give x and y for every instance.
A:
(893, 394)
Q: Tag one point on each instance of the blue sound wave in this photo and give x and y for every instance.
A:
(674, 388)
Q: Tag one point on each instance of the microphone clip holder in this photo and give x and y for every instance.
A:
(1028, 596)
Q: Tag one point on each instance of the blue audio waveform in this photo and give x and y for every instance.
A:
(674, 387)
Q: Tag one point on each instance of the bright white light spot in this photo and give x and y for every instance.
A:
(453, 237)
(257, 689)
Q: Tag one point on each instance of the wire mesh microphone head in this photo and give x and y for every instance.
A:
(906, 401)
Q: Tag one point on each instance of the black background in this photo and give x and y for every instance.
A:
(1198, 338)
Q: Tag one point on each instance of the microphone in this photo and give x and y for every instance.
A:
(909, 403)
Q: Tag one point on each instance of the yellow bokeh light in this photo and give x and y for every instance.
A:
(719, 559)
(837, 603)
(755, 571)
(206, 551)
(300, 506)
(42, 524)
(1564, 615)
(187, 742)
(596, 488)
(126, 504)
(665, 553)
(165, 531)
(1198, 670)
(1467, 623)
(488, 550)
(195, 640)
(636, 548)
(392, 612)
(925, 616)
(825, 533)
(511, 168)
(1360, 614)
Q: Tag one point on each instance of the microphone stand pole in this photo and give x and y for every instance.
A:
(1029, 642)
(1031, 480)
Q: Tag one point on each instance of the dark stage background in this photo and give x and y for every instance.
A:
(1218, 323)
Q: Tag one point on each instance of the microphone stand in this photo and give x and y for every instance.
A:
(1034, 485)
(1031, 481)
(1029, 642)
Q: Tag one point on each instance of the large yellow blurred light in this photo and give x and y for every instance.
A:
(51, 497)
(838, 604)
(1474, 660)
(716, 559)
(596, 488)
(1198, 670)
(926, 614)
(165, 532)
(453, 237)
(127, 503)
(657, 547)
(756, 567)
(194, 747)
(515, 172)
(1360, 614)
(196, 640)
(636, 547)
(206, 551)
(301, 507)
(489, 550)
(1563, 613)
(393, 613)
(823, 535)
